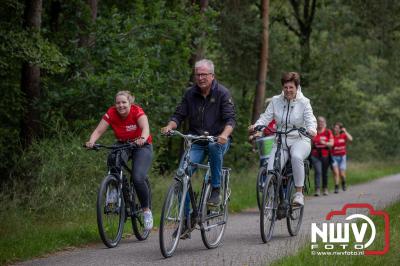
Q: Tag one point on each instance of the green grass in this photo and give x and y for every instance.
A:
(361, 172)
(25, 237)
(58, 210)
(304, 257)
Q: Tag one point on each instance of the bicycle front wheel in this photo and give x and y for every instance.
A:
(295, 214)
(171, 222)
(214, 220)
(137, 215)
(268, 208)
(261, 177)
(110, 211)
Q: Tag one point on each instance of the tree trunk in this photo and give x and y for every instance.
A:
(199, 49)
(55, 11)
(304, 13)
(30, 77)
(85, 38)
(258, 103)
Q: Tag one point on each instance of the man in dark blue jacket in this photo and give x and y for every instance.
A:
(209, 107)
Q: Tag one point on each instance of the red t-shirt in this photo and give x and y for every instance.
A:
(270, 129)
(127, 128)
(339, 145)
(325, 135)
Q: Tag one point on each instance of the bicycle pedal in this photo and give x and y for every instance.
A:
(186, 235)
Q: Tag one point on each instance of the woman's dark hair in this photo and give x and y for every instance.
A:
(339, 124)
(291, 77)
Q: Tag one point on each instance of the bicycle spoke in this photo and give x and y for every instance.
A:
(110, 212)
(170, 220)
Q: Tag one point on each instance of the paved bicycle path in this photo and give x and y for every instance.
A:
(242, 244)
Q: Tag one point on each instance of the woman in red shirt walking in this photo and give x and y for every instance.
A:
(130, 123)
(321, 144)
(340, 139)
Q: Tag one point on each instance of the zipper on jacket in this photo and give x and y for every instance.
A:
(202, 113)
(287, 114)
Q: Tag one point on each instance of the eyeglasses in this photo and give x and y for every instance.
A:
(202, 75)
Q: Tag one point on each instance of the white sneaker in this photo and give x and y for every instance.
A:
(148, 220)
(298, 198)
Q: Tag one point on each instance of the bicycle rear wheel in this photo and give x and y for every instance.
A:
(295, 213)
(110, 211)
(268, 208)
(213, 220)
(171, 222)
(261, 177)
(137, 215)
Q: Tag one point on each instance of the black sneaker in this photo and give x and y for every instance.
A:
(336, 189)
(185, 232)
(344, 186)
(215, 198)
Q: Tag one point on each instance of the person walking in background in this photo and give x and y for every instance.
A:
(340, 139)
(322, 142)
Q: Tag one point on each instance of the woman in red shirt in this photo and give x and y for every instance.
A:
(340, 138)
(320, 155)
(130, 123)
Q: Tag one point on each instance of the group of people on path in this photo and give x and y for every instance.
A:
(329, 151)
(209, 107)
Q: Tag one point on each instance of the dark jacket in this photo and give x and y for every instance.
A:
(211, 113)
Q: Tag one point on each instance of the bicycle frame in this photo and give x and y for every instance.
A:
(184, 176)
(277, 168)
(119, 163)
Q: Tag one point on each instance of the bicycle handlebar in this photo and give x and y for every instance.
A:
(190, 137)
(114, 147)
(301, 130)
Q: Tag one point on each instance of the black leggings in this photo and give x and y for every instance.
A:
(141, 162)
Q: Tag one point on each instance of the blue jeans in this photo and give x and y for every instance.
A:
(339, 161)
(216, 154)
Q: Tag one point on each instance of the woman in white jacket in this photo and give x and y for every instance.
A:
(291, 109)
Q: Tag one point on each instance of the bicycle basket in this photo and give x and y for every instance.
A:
(264, 146)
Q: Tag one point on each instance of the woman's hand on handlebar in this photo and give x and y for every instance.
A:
(89, 144)
(140, 141)
(312, 133)
(251, 129)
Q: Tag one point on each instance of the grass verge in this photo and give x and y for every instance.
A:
(361, 172)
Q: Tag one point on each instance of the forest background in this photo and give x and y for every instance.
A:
(61, 69)
(61, 63)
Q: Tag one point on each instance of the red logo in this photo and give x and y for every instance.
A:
(337, 234)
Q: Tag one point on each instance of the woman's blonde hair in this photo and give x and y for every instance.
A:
(127, 94)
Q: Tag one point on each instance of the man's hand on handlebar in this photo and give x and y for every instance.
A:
(222, 139)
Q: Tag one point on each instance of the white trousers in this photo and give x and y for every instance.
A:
(300, 148)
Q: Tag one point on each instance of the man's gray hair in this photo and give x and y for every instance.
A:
(207, 63)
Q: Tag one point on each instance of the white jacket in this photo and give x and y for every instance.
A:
(298, 112)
